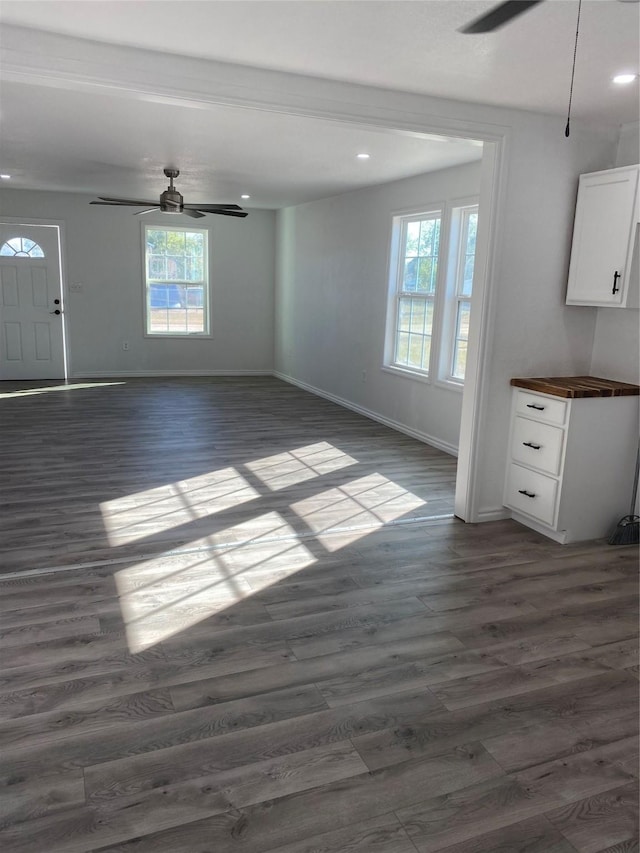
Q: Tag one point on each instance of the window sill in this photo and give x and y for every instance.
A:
(197, 336)
(450, 385)
(407, 374)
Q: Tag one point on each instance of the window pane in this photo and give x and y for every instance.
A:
(467, 278)
(156, 241)
(402, 348)
(419, 351)
(195, 319)
(459, 360)
(413, 239)
(418, 316)
(404, 314)
(427, 275)
(426, 353)
(409, 282)
(429, 236)
(468, 254)
(472, 220)
(421, 255)
(416, 343)
(462, 325)
(413, 347)
(21, 247)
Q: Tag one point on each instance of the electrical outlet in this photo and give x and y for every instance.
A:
(125, 345)
(76, 287)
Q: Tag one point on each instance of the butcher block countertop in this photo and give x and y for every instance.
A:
(577, 386)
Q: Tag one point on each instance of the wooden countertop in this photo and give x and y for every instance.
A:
(578, 386)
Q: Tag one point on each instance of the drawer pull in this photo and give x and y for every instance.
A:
(532, 445)
(525, 492)
(534, 406)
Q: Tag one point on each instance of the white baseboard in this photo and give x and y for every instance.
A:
(451, 449)
(560, 536)
(141, 374)
(497, 514)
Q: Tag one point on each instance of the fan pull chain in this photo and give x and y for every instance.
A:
(573, 71)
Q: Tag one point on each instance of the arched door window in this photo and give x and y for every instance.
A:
(21, 247)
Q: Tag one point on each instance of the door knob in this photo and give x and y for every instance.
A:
(57, 311)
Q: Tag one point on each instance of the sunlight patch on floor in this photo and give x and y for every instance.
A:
(144, 514)
(295, 466)
(165, 595)
(366, 503)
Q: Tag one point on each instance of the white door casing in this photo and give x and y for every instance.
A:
(31, 332)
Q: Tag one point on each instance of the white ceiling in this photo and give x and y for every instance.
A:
(63, 138)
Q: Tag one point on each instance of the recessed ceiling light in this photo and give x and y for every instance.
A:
(621, 79)
(363, 156)
(245, 196)
(5, 177)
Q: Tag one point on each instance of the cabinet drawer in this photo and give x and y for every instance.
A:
(531, 493)
(537, 445)
(541, 408)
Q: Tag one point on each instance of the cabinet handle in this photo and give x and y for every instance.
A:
(532, 445)
(616, 276)
(534, 406)
(525, 492)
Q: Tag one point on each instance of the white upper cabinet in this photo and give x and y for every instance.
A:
(604, 234)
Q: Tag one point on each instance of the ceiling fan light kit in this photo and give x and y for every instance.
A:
(172, 202)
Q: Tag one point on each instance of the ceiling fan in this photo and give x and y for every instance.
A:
(502, 14)
(171, 201)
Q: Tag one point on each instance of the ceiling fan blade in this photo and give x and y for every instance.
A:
(194, 214)
(124, 201)
(498, 16)
(148, 210)
(240, 213)
(211, 207)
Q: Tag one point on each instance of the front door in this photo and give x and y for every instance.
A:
(31, 322)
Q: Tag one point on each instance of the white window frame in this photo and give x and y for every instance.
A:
(206, 300)
(461, 210)
(397, 292)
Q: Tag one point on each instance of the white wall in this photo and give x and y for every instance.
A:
(103, 251)
(331, 294)
(629, 145)
(616, 352)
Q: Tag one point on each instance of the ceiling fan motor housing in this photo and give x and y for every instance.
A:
(171, 201)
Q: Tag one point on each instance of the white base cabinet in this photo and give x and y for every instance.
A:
(571, 463)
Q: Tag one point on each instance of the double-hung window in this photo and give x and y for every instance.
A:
(417, 242)
(176, 281)
(465, 226)
(430, 283)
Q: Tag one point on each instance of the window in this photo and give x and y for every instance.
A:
(415, 288)
(431, 278)
(21, 247)
(465, 226)
(176, 281)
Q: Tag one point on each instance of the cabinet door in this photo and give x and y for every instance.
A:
(603, 230)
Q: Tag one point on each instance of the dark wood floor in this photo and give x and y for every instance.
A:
(236, 618)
